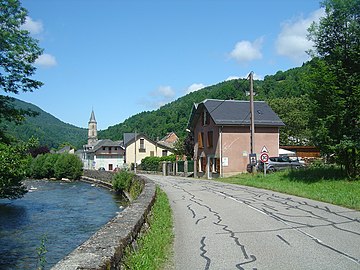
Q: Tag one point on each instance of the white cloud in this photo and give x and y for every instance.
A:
(233, 78)
(255, 77)
(292, 41)
(246, 51)
(159, 97)
(194, 87)
(34, 27)
(46, 60)
(163, 92)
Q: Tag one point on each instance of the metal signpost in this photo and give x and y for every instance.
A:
(264, 157)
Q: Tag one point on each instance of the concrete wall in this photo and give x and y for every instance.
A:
(105, 249)
(99, 175)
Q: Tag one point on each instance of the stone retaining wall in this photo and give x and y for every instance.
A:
(105, 249)
(99, 175)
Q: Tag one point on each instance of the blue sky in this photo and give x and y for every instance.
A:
(124, 57)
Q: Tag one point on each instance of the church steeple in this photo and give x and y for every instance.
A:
(92, 117)
(92, 131)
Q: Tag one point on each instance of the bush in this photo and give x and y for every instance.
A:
(150, 164)
(49, 164)
(56, 165)
(122, 180)
(68, 166)
(154, 163)
(136, 189)
(37, 167)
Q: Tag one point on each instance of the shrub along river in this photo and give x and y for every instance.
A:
(63, 214)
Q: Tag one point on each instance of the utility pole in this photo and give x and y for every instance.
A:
(252, 119)
(135, 165)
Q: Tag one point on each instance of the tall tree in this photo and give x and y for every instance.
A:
(18, 52)
(294, 112)
(336, 82)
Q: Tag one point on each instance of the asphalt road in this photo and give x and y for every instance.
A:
(223, 226)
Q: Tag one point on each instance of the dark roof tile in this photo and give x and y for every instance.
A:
(237, 112)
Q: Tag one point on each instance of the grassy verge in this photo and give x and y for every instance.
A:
(322, 184)
(154, 245)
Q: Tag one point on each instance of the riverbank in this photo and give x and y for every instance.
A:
(64, 213)
(105, 249)
(154, 247)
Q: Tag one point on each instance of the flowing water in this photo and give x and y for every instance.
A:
(63, 215)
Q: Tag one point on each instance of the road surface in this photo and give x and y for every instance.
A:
(224, 226)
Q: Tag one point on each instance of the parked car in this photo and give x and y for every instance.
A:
(101, 169)
(280, 163)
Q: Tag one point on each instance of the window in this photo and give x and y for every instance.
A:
(142, 144)
(115, 148)
(110, 167)
(210, 139)
(205, 116)
(164, 153)
(109, 150)
(104, 148)
(201, 139)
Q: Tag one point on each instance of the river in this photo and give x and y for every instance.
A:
(63, 214)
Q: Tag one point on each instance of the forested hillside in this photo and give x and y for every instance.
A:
(48, 129)
(284, 91)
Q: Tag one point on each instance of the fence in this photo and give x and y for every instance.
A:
(183, 168)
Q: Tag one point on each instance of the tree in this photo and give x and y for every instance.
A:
(336, 82)
(14, 163)
(40, 150)
(294, 112)
(68, 166)
(37, 168)
(18, 52)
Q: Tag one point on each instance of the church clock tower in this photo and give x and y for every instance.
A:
(92, 132)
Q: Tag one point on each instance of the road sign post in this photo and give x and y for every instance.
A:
(264, 157)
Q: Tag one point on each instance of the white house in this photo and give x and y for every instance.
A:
(101, 154)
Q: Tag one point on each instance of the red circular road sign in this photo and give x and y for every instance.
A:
(264, 157)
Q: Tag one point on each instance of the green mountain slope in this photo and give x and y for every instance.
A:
(174, 116)
(285, 92)
(48, 129)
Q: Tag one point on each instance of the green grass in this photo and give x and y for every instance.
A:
(320, 183)
(154, 246)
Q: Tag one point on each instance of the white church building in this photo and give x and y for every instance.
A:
(111, 155)
(97, 154)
